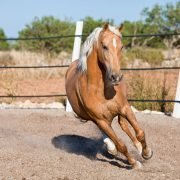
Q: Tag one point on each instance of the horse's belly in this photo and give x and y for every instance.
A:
(77, 106)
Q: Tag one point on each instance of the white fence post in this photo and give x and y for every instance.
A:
(76, 52)
(176, 111)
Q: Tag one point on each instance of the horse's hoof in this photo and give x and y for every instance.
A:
(137, 165)
(148, 155)
(113, 152)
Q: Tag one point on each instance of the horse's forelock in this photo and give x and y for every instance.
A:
(115, 31)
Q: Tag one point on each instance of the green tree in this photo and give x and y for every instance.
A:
(46, 27)
(4, 45)
(166, 19)
(132, 28)
(90, 24)
(139, 27)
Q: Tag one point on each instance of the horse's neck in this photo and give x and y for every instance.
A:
(94, 73)
(96, 80)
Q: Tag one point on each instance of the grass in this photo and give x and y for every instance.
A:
(25, 58)
(6, 59)
(149, 55)
(151, 86)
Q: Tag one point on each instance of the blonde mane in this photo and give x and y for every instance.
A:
(88, 46)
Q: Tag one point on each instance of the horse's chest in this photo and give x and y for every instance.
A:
(106, 110)
(112, 109)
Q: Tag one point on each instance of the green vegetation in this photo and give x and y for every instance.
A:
(3, 44)
(46, 27)
(159, 19)
(156, 87)
(90, 24)
(150, 55)
(166, 19)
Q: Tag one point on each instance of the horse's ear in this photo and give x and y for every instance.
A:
(121, 28)
(106, 26)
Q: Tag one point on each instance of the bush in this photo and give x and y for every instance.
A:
(6, 59)
(152, 56)
(45, 27)
(147, 86)
(3, 44)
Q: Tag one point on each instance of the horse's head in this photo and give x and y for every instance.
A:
(109, 48)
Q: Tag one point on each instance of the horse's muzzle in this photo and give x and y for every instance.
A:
(115, 79)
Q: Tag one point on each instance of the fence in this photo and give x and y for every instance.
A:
(62, 66)
(85, 35)
(62, 95)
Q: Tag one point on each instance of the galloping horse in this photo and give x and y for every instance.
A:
(96, 91)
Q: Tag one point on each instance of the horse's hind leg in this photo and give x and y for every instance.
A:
(107, 129)
(129, 115)
(124, 125)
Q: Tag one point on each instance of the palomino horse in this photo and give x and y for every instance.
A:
(96, 91)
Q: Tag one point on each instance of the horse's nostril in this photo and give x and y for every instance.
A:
(113, 78)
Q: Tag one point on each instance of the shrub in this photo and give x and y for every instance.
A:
(6, 59)
(152, 56)
(3, 44)
(46, 27)
(148, 86)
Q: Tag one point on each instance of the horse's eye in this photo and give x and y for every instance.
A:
(105, 47)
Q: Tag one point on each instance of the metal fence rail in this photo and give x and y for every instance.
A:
(35, 96)
(84, 35)
(67, 65)
(64, 95)
(31, 67)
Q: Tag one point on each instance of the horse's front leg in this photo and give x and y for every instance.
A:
(121, 147)
(127, 112)
(124, 125)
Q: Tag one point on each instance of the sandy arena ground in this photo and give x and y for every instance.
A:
(52, 144)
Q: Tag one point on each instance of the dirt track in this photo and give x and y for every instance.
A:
(51, 144)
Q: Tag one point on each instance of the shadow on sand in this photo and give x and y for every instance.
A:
(90, 148)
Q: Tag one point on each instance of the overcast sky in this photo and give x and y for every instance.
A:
(15, 14)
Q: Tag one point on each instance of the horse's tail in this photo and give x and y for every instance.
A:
(82, 120)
